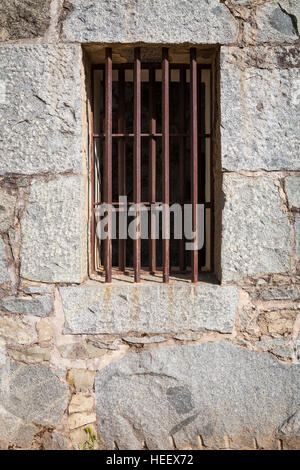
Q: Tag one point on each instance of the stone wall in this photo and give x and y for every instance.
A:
(151, 366)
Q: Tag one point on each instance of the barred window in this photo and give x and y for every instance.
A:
(152, 165)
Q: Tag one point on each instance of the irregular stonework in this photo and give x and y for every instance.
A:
(276, 21)
(158, 21)
(297, 236)
(41, 113)
(4, 274)
(54, 231)
(40, 306)
(255, 232)
(30, 395)
(54, 441)
(95, 309)
(260, 109)
(150, 397)
(7, 208)
(21, 19)
(292, 187)
(82, 380)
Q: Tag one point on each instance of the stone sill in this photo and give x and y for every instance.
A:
(149, 307)
(154, 279)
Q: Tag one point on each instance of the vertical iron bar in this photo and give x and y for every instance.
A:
(212, 195)
(121, 161)
(165, 163)
(202, 158)
(107, 170)
(152, 168)
(182, 259)
(194, 157)
(137, 159)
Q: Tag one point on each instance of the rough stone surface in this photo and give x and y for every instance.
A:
(144, 339)
(228, 391)
(81, 419)
(40, 306)
(14, 432)
(93, 309)
(41, 113)
(54, 441)
(260, 109)
(297, 236)
(15, 331)
(286, 293)
(292, 188)
(22, 19)
(54, 231)
(7, 207)
(278, 21)
(82, 380)
(4, 274)
(32, 393)
(255, 234)
(80, 402)
(158, 21)
(37, 289)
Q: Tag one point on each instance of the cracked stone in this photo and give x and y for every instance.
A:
(189, 391)
(78, 420)
(277, 21)
(54, 441)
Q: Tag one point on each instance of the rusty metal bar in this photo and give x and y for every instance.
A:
(92, 150)
(121, 161)
(202, 158)
(152, 168)
(194, 157)
(107, 164)
(165, 163)
(212, 194)
(137, 158)
(182, 97)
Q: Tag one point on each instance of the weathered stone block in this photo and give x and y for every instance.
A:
(276, 22)
(82, 380)
(260, 109)
(158, 21)
(292, 187)
(280, 293)
(32, 393)
(15, 331)
(7, 207)
(40, 307)
(54, 441)
(54, 231)
(13, 431)
(22, 19)
(4, 274)
(255, 233)
(41, 113)
(212, 390)
(97, 308)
